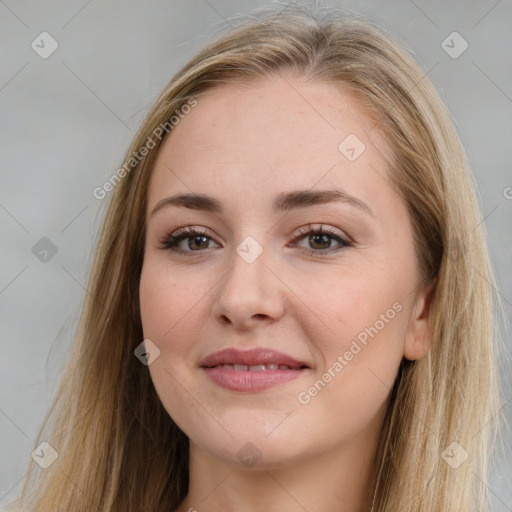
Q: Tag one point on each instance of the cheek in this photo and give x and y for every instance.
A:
(169, 308)
(344, 307)
(358, 328)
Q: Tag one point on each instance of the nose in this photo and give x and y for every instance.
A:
(250, 294)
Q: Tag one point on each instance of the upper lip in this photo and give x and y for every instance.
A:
(251, 357)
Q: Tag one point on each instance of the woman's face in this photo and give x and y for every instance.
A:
(329, 314)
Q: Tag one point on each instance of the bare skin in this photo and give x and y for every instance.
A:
(244, 145)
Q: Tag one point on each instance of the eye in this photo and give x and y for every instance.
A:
(198, 240)
(321, 239)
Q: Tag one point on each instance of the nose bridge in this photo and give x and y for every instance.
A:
(249, 288)
(248, 268)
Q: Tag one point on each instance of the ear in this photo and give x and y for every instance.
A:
(418, 338)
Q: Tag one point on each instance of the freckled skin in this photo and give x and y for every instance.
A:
(244, 145)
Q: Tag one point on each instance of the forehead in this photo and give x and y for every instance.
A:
(255, 140)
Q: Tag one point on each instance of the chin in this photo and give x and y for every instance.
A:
(253, 442)
(256, 455)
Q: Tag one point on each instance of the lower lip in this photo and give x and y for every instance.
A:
(249, 380)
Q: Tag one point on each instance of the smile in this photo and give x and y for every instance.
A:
(257, 367)
(251, 370)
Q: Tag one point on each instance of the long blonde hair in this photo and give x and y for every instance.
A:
(118, 448)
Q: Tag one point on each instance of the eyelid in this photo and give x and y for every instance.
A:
(319, 227)
(192, 230)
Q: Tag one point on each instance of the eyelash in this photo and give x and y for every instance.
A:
(171, 241)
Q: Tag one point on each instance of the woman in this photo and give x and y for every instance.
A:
(330, 344)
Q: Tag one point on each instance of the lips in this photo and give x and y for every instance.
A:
(252, 370)
(258, 359)
(256, 367)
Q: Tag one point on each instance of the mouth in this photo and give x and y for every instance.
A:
(252, 370)
(256, 367)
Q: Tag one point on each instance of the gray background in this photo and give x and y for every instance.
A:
(68, 120)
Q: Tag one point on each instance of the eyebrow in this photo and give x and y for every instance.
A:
(284, 202)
